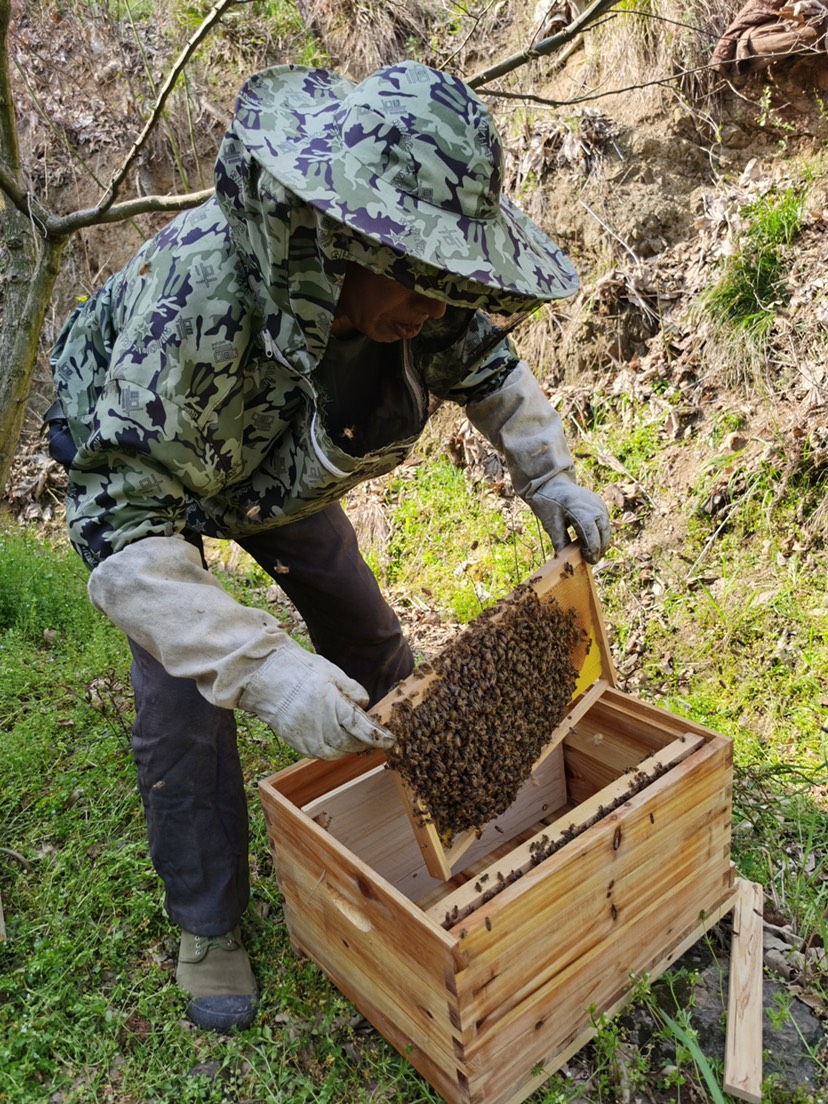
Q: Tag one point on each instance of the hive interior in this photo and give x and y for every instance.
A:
(609, 752)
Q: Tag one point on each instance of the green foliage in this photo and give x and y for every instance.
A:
(452, 545)
(637, 445)
(37, 582)
(686, 1037)
(725, 423)
(252, 34)
(745, 300)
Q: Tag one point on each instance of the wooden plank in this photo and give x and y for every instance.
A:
(642, 720)
(434, 852)
(303, 781)
(612, 731)
(472, 895)
(743, 1041)
(611, 751)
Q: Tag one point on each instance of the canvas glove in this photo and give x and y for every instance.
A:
(520, 423)
(157, 591)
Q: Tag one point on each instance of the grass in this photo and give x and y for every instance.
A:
(745, 301)
(451, 543)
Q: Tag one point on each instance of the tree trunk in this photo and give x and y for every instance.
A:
(18, 258)
(30, 273)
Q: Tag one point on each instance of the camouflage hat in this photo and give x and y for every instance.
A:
(409, 159)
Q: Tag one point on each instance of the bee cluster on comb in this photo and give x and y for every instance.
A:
(500, 689)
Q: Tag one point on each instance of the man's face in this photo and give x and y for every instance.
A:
(381, 308)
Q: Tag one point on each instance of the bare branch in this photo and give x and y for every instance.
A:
(59, 225)
(547, 102)
(540, 49)
(8, 127)
(209, 21)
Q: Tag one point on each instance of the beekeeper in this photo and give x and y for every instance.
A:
(260, 356)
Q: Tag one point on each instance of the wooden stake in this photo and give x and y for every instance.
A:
(743, 1042)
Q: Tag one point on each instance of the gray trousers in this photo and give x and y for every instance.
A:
(197, 820)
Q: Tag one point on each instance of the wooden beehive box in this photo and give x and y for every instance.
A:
(613, 860)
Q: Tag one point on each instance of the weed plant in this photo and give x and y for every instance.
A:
(744, 303)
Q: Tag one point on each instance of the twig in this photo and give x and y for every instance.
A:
(16, 856)
(462, 46)
(212, 17)
(546, 101)
(547, 46)
(711, 540)
(609, 230)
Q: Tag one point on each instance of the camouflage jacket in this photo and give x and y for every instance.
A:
(190, 380)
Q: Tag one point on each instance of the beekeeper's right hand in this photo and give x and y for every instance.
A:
(157, 591)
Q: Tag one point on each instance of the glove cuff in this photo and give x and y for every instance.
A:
(157, 591)
(521, 423)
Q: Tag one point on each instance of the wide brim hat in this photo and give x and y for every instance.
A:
(408, 159)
